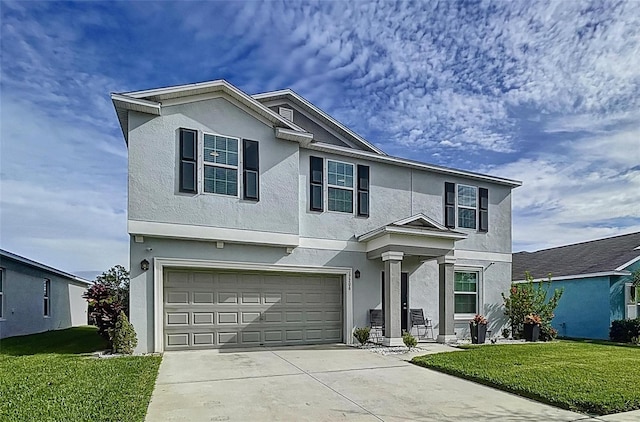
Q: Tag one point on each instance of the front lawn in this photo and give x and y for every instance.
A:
(44, 377)
(578, 376)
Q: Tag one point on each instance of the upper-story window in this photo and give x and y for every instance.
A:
(340, 184)
(466, 207)
(220, 164)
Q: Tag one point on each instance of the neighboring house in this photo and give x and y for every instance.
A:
(596, 277)
(36, 298)
(261, 220)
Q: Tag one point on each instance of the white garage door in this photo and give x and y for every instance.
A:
(205, 309)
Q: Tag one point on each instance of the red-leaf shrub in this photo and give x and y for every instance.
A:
(104, 308)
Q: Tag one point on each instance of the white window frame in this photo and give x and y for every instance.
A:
(46, 298)
(2, 285)
(327, 186)
(458, 206)
(478, 294)
(224, 166)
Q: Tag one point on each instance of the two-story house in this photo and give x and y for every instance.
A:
(261, 220)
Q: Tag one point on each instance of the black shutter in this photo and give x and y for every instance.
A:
(450, 205)
(483, 210)
(188, 160)
(316, 177)
(363, 191)
(250, 170)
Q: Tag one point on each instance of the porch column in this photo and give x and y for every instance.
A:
(392, 307)
(446, 330)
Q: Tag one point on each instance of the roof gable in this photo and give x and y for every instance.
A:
(422, 221)
(596, 256)
(321, 118)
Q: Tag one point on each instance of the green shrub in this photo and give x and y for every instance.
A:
(362, 334)
(123, 336)
(531, 298)
(624, 330)
(409, 340)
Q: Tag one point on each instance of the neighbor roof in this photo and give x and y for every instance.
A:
(607, 255)
(9, 255)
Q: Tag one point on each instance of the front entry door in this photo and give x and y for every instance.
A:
(404, 299)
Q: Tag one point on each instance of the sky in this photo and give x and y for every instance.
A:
(547, 93)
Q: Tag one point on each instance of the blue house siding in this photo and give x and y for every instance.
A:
(584, 309)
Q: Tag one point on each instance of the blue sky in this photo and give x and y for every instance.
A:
(547, 93)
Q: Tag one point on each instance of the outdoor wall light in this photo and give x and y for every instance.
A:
(357, 274)
(144, 265)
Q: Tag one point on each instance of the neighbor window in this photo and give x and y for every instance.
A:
(466, 292)
(1, 293)
(466, 207)
(340, 186)
(220, 165)
(47, 297)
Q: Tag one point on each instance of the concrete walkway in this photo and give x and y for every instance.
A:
(326, 383)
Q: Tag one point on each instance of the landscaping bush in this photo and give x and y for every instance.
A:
(107, 297)
(123, 336)
(409, 340)
(529, 299)
(624, 330)
(362, 334)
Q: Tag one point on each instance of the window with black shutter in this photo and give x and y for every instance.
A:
(316, 180)
(483, 209)
(363, 191)
(188, 160)
(251, 170)
(450, 205)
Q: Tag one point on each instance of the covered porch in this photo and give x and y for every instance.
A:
(417, 236)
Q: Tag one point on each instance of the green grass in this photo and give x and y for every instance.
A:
(45, 377)
(579, 376)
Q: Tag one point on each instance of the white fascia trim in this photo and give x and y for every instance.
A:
(482, 256)
(578, 276)
(184, 231)
(309, 105)
(626, 264)
(136, 104)
(34, 264)
(411, 232)
(212, 86)
(331, 245)
(159, 265)
(292, 135)
(335, 149)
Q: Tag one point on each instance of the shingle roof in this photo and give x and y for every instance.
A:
(581, 258)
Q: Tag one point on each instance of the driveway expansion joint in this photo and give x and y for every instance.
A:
(310, 375)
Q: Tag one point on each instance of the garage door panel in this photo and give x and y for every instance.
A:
(203, 318)
(203, 298)
(227, 318)
(218, 309)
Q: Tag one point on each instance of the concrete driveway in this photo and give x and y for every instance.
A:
(325, 383)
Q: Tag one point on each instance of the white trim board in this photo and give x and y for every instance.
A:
(578, 276)
(626, 264)
(159, 265)
(186, 231)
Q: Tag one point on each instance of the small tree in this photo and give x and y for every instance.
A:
(531, 298)
(123, 336)
(107, 297)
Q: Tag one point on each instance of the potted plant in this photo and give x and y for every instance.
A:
(532, 327)
(478, 328)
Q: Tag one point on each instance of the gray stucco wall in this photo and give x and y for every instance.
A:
(23, 288)
(153, 171)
